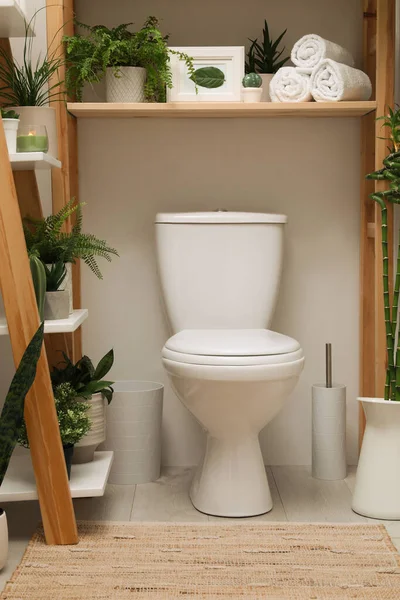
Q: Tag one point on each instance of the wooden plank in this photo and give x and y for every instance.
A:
(385, 43)
(23, 320)
(367, 223)
(221, 109)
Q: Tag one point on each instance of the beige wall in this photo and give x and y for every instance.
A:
(130, 169)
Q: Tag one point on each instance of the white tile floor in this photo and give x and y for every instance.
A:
(296, 496)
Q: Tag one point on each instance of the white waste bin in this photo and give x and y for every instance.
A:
(134, 431)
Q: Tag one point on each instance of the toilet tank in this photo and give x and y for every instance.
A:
(219, 270)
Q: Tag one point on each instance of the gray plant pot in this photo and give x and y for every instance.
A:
(56, 305)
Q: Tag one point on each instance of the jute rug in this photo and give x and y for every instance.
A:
(289, 561)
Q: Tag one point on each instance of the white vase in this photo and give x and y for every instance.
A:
(266, 80)
(10, 131)
(84, 450)
(251, 95)
(40, 115)
(3, 539)
(377, 487)
(127, 85)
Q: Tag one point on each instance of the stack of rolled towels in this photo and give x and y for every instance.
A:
(323, 71)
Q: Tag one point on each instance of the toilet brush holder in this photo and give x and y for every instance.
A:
(329, 432)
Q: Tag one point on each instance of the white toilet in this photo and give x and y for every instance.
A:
(220, 274)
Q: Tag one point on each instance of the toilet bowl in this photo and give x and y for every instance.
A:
(220, 275)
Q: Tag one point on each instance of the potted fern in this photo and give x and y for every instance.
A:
(92, 389)
(10, 123)
(265, 59)
(27, 88)
(47, 238)
(11, 420)
(134, 64)
(377, 488)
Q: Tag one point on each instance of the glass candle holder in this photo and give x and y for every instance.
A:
(32, 138)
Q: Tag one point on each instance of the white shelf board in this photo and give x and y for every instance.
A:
(26, 161)
(12, 20)
(69, 325)
(87, 480)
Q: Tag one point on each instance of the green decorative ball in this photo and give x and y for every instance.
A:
(252, 80)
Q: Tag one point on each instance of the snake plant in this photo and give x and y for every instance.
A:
(12, 415)
(390, 172)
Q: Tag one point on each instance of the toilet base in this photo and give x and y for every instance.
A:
(231, 480)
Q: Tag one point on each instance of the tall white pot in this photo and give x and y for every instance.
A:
(40, 115)
(84, 450)
(266, 80)
(127, 85)
(377, 488)
(3, 539)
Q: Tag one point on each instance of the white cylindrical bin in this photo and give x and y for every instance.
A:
(134, 431)
(329, 432)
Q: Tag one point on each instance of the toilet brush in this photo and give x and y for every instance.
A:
(329, 426)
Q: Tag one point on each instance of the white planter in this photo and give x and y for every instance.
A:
(266, 80)
(251, 95)
(377, 488)
(40, 115)
(10, 130)
(56, 305)
(3, 539)
(84, 450)
(127, 86)
(67, 285)
(134, 431)
(329, 432)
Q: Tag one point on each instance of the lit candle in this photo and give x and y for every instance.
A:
(33, 141)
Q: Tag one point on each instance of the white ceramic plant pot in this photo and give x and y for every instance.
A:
(266, 80)
(56, 305)
(126, 86)
(134, 431)
(251, 95)
(377, 487)
(3, 539)
(40, 115)
(10, 130)
(67, 285)
(84, 450)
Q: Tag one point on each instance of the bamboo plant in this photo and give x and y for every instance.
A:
(390, 172)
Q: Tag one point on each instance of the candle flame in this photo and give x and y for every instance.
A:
(32, 132)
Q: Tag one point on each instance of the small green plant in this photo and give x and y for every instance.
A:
(252, 80)
(39, 280)
(85, 379)
(88, 57)
(8, 114)
(12, 414)
(72, 417)
(390, 173)
(31, 82)
(53, 245)
(55, 276)
(264, 58)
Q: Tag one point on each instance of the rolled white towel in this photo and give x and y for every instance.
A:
(308, 52)
(333, 82)
(290, 84)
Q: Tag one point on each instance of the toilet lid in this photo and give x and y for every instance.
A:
(231, 342)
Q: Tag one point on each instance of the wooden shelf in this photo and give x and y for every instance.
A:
(220, 109)
(12, 20)
(27, 161)
(69, 325)
(87, 480)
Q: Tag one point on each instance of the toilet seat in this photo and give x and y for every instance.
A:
(231, 347)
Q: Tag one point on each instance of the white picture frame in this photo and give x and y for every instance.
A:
(229, 59)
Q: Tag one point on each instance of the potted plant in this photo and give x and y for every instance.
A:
(265, 59)
(10, 123)
(29, 87)
(73, 420)
(252, 88)
(47, 238)
(57, 300)
(89, 384)
(135, 64)
(377, 488)
(11, 420)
